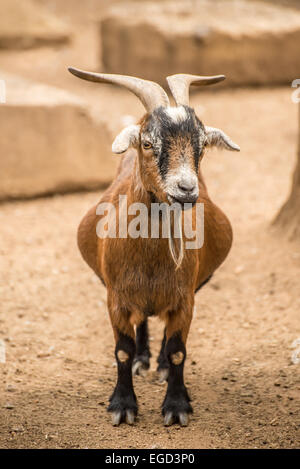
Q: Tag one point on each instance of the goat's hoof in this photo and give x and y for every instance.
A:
(123, 408)
(130, 417)
(176, 407)
(117, 417)
(163, 375)
(170, 418)
(184, 419)
(140, 366)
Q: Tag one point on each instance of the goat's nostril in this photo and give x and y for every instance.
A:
(186, 186)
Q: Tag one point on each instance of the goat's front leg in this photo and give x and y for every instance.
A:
(176, 406)
(123, 403)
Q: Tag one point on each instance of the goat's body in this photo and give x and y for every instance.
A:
(140, 273)
(131, 244)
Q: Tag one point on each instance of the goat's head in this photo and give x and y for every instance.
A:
(170, 140)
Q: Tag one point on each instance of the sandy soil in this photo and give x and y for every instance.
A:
(60, 369)
(60, 366)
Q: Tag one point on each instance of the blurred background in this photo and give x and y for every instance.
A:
(55, 159)
(252, 43)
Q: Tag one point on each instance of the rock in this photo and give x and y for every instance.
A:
(11, 388)
(239, 269)
(43, 355)
(25, 24)
(51, 437)
(50, 142)
(19, 429)
(9, 406)
(247, 41)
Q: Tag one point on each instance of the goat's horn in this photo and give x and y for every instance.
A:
(179, 85)
(151, 94)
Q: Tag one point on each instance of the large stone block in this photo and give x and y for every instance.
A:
(26, 24)
(50, 142)
(250, 42)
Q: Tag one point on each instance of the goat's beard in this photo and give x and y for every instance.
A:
(177, 257)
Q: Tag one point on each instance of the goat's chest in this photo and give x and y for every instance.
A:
(142, 274)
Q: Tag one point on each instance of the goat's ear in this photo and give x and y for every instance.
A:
(129, 137)
(218, 138)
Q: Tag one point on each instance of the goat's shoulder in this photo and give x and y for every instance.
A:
(87, 239)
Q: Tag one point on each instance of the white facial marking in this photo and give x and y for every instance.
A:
(177, 114)
(183, 174)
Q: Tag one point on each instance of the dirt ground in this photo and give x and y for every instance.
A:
(60, 369)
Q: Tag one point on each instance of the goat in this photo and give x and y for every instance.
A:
(161, 164)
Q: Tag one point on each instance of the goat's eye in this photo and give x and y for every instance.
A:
(147, 145)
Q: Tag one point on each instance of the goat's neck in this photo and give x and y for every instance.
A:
(137, 191)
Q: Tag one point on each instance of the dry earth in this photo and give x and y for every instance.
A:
(60, 370)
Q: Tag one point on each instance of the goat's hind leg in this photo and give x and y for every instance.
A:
(162, 362)
(123, 403)
(141, 362)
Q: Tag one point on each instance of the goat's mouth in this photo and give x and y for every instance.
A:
(182, 201)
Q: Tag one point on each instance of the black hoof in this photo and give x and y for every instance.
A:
(163, 374)
(119, 417)
(170, 418)
(141, 364)
(177, 408)
(123, 409)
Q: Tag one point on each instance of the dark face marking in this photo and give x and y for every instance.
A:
(167, 126)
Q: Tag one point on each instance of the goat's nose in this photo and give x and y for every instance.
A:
(186, 186)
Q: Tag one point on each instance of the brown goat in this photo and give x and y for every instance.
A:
(147, 275)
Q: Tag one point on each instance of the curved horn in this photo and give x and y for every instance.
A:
(179, 85)
(151, 94)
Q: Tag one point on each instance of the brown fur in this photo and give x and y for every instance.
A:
(178, 148)
(140, 274)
